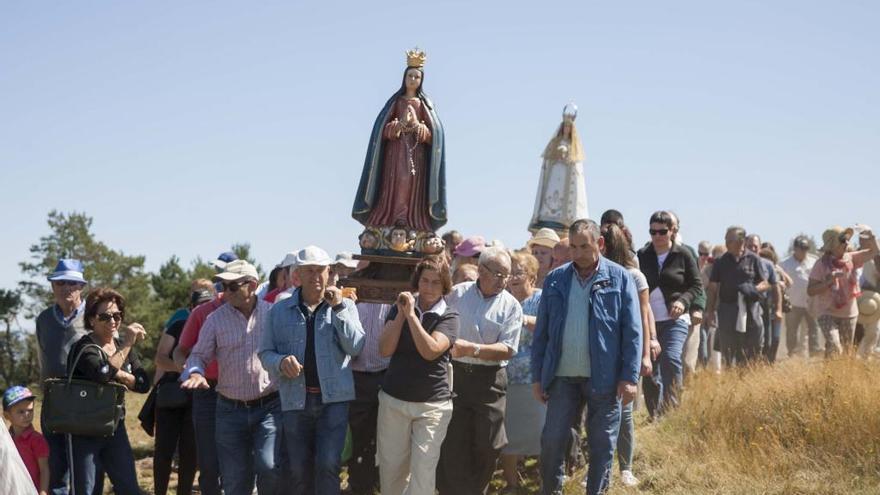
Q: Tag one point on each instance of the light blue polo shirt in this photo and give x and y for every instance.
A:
(575, 358)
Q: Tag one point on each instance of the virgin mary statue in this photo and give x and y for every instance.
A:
(403, 183)
(562, 193)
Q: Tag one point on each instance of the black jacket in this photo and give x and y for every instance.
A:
(679, 280)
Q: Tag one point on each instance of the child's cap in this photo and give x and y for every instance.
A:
(16, 394)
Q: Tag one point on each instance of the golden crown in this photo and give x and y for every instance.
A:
(415, 58)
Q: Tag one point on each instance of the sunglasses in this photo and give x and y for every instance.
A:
(234, 286)
(62, 283)
(658, 232)
(702, 253)
(105, 317)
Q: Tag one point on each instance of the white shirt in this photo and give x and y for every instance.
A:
(800, 276)
(486, 320)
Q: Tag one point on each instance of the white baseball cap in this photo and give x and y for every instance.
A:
(237, 270)
(289, 260)
(312, 256)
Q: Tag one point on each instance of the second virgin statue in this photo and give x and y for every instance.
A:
(403, 183)
(562, 192)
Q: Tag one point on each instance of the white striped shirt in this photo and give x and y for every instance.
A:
(372, 316)
(233, 341)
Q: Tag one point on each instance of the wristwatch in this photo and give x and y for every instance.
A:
(477, 350)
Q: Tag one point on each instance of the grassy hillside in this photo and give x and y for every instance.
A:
(800, 427)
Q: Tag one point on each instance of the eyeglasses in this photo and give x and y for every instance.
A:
(658, 232)
(499, 276)
(234, 286)
(105, 317)
(518, 275)
(703, 253)
(62, 283)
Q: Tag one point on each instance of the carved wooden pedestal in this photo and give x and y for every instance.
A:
(383, 279)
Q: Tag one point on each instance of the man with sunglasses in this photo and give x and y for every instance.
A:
(204, 400)
(248, 410)
(491, 319)
(58, 328)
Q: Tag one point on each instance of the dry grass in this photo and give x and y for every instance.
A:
(800, 427)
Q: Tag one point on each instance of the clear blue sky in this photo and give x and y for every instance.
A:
(182, 127)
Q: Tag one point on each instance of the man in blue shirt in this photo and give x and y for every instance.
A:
(587, 348)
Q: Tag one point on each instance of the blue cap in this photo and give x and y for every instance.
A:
(68, 269)
(16, 394)
(223, 259)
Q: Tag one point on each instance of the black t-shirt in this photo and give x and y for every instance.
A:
(730, 273)
(409, 376)
(93, 365)
(310, 366)
(174, 330)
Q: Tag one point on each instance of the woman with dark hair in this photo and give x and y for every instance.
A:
(103, 358)
(415, 404)
(403, 180)
(673, 284)
(617, 249)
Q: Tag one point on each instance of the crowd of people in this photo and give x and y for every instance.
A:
(492, 355)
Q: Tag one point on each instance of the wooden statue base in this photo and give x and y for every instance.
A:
(383, 279)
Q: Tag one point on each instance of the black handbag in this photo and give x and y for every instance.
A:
(82, 407)
(169, 395)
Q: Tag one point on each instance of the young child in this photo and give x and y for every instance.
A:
(18, 409)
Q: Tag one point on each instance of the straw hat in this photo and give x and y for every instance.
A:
(834, 236)
(544, 237)
(869, 307)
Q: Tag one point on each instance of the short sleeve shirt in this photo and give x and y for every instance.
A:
(823, 303)
(31, 446)
(412, 378)
(729, 273)
(486, 320)
(519, 369)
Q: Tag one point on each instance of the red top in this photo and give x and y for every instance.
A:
(193, 327)
(273, 294)
(31, 446)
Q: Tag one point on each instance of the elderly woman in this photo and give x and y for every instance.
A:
(524, 416)
(541, 246)
(415, 404)
(834, 286)
(673, 285)
(103, 359)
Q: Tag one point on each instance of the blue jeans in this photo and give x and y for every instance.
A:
(603, 422)
(248, 445)
(672, 335)
(316, 437)
(626, 440)
(204, 410)
(113, 454)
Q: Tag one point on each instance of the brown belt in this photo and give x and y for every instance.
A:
(258, 402)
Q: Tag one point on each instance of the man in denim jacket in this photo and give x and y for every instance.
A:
(308, 345)
(586, 348)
